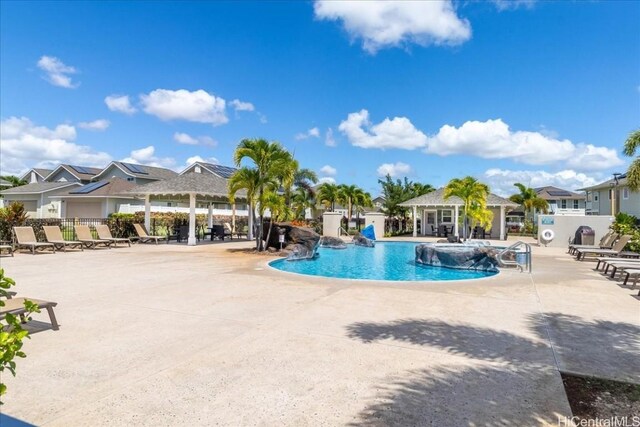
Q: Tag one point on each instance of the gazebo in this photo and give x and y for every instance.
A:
(194, 186)
(435, 210)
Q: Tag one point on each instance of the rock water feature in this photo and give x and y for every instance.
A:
(462, 257)
(332, 243)
(360, 240)
(300, 242)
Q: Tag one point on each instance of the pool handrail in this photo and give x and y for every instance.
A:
(514, 262)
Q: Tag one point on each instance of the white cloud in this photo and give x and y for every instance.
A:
(197, 106)
(327, 179)
(398, 132)
(328, 170)
(262, 118)
(494, 140)
(193, 159)
(241, 106)
(120, 104)
(96, 125)
(329, 140)
(501, 181)
(311, 133)
(186, 139)
(394, 169)
(24, 145)
(513, 4)
(57, 73)
(146, 156)
(382, 24)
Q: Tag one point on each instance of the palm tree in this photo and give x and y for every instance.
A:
(361, 199)
(346, 194)
(305, 178)
(473, 194)
(633, 173)
(328, 195)
(529, 199)
(302, 199)
(276, 205)
(273, 164)
(14, 180)
(247, 179)
(418, 189)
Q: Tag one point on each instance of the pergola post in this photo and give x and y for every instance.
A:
(210, 215)
(502, 221)
(147, 214)
(192, 220)
(233, 217)
(415, 221)
(456, 215)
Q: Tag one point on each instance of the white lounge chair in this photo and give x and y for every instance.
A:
(54, 235)
(26, 238)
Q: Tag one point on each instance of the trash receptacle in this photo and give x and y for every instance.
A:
(585, 235)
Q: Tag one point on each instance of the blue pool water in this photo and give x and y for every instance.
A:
(387, 261)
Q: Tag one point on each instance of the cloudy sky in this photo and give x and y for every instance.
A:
(506, 91)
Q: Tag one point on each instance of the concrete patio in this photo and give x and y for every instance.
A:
(196, 335)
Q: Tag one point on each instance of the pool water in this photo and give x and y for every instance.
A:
(386, 261)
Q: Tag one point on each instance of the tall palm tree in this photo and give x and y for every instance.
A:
(529, 199)
(305, 178)
(247, 179)
(346, 194)
(361, 200)
(418, 189)
(301, 200)
(277, 207)
(14, 180)
(328, 195)
(473, 194)
(633, 173)
(273, 164)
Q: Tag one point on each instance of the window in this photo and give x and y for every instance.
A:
(625, 193)
(595, 197)
(446, 215)
(563, 204)
(576, 204)
(130, 179)
(610, 193)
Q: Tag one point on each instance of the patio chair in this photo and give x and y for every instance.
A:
(16, 307)
(8, 248)
(83, 233)
(145, 237)
(219, 232)
(105, 234)
(232, 233)
(26, 238)
(620, 264)
(54, 235)
(627, 257)
(606, 242)
(616, 250)
(628, 272)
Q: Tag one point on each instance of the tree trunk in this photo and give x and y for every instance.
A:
(270, 227)
(261, 224)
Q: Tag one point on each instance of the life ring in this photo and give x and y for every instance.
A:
(547, 235)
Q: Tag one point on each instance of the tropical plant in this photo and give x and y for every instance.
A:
(11, 216)
(245, 179)
(529, 199)
(14, 180)
(631, 145)
(361, 200)
(11, 332)
(346, 194)
(305, 178)
(398, 191)
(277, 207)
(274, 165)
(302, 199)
(473, 194)
(328, 195)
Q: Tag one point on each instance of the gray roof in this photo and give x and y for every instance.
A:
(110, 188)
(436, 198)
(73, 170)
(553, 193)
(151, 172)
(37, 188)
(4, 183)
(40, 171)
(622, 180)
(197, 183)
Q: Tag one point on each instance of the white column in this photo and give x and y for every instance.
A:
(456, 215)
(415, 221)
(192, 220)
(210, 215)
(233, 217)
(502, 236)
(250, 220)
(147, 214)
(106, 208)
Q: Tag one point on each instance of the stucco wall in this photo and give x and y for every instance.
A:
(564, 227)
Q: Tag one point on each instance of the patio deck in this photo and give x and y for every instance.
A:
(177, 335)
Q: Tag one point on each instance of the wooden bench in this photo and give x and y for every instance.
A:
(16, 306)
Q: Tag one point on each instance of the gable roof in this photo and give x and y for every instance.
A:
(219, 170)
(551, 193)
(80, 172)
(138, 171)
(436, 198)
(622, 181)
(38, 187)
(40, 171)
(4, 183)
(196, 183)
(113, 187)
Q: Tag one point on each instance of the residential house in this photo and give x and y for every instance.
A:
(561, 202)
(36, 175)
(611, 197)
(37, 197)
(138, 174)
(95, 200)
(70, 173)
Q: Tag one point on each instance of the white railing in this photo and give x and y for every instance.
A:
(521, 253)
(567, 211)
(127, 208)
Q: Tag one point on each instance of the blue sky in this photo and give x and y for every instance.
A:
(528, 91)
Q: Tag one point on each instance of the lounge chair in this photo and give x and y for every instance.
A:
(54, 235)
(16, 306)
(26, 238)
(8, 248)
(105, 234)
(616, 250)
(232, 233)
(627, 256)
(84, 235)
(145, 237)
(606, 242)
(620, 264)
(631, 272)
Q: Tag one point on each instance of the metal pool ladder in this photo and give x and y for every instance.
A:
(518, 248)
(340, 230)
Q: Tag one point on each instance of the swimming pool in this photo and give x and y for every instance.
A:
(386, 261)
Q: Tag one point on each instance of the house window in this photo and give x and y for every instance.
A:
(576, 204)
(610, 193)
(130, 179)
(625, 193)
(563, 204)
(446, 215)
(595, 197)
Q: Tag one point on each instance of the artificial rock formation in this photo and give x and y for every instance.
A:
(301, 242)
(360, 240)
(332, 243)
(462, 257)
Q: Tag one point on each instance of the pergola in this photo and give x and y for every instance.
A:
(203, 187)
(435, 199)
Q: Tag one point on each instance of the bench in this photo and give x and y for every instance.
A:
(16, 306)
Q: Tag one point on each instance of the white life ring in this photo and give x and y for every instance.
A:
(548, 235)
